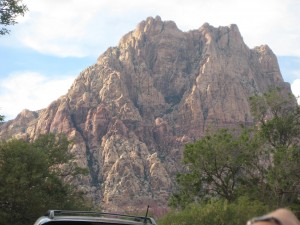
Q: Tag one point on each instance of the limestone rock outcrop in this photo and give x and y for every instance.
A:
(131, 113)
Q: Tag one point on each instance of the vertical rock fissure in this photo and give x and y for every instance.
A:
(91, 161)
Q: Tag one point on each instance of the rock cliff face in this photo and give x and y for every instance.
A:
(131, 113)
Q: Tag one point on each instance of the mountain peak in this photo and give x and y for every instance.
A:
(155, 26)
(132, 112)
(224, 35)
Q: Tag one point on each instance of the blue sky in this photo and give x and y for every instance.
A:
(57, 39)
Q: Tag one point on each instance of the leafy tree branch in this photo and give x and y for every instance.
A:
(9, 11)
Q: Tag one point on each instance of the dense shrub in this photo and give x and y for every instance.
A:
(216, 212)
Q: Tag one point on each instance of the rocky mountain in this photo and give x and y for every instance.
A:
(131, 113)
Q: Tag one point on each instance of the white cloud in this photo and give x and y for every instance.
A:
(32, 90)
(295, 86)
(77, 28)
(296, 80)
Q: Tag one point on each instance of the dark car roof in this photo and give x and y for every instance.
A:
(60, 217)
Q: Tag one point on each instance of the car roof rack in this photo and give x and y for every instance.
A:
(52, 213)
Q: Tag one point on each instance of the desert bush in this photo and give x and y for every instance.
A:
(217, 212)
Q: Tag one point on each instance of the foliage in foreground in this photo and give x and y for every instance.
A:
(31, 179)
(279, 116)
(9, 11)
(262, 162)
(219, 212)
(220, 165)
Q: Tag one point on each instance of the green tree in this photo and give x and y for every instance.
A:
(278, 116)
(30, 179)
(262, 163)
(9, 10)
(217, 166)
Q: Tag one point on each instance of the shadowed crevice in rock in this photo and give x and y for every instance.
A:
(91, 161)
